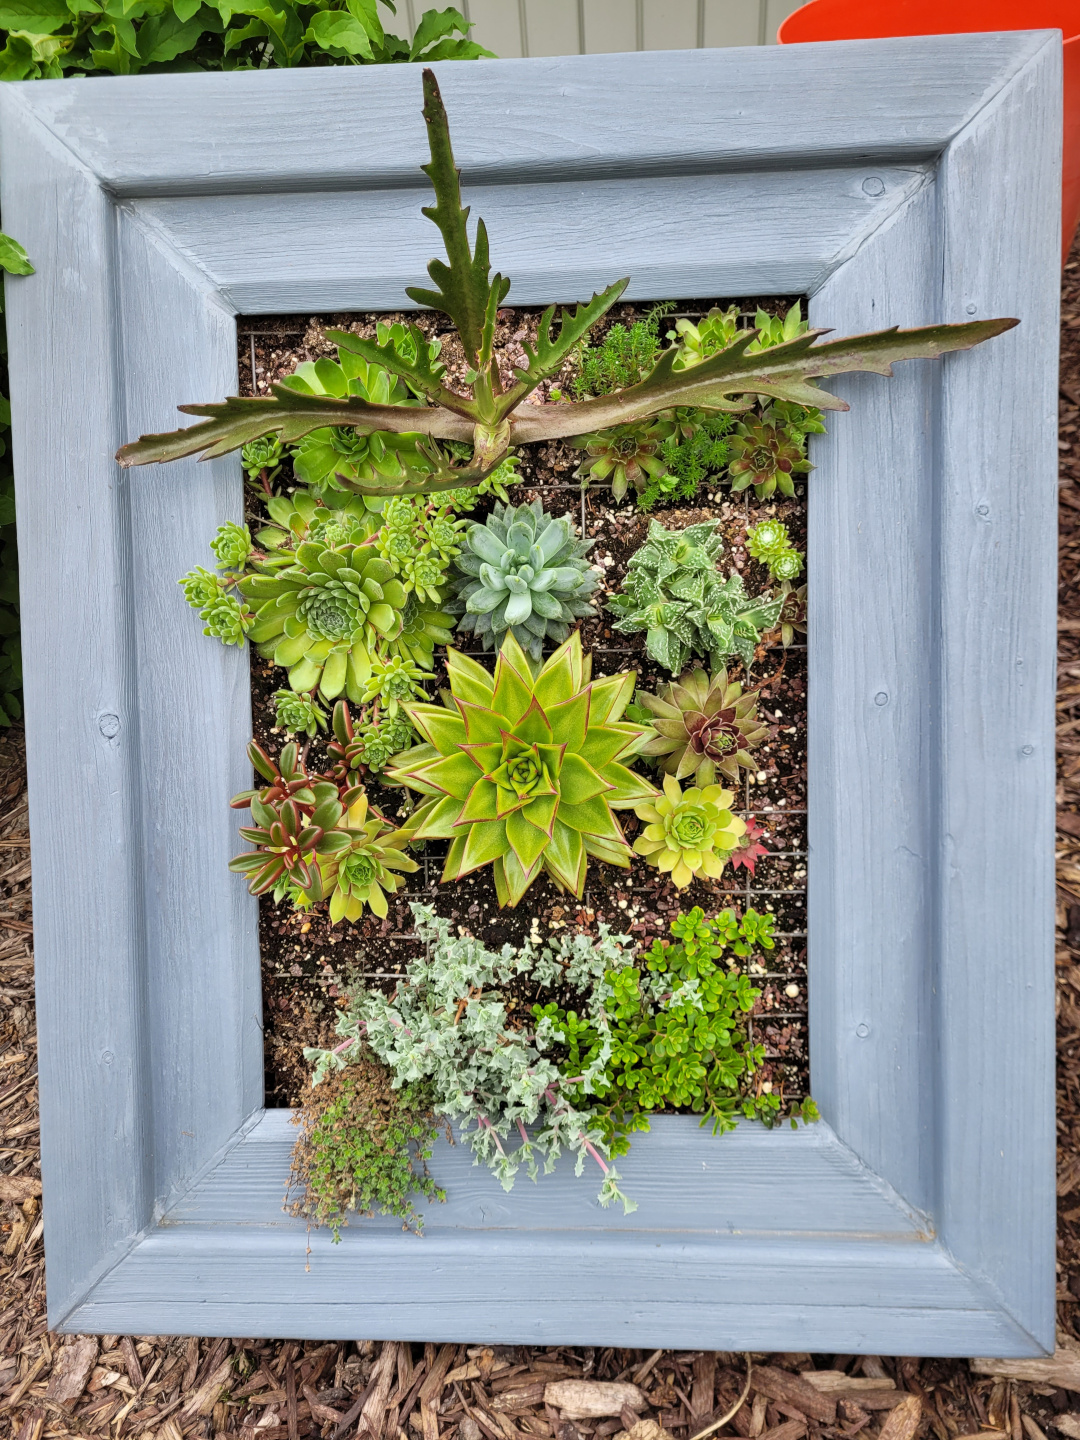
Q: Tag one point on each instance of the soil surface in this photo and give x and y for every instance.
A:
(308, 964)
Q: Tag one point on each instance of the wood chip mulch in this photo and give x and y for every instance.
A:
(161, 1388)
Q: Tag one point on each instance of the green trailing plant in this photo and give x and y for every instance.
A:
(319, 835)
(524, 770)
(449, 1026)
(46, 40)
(626, 455)
(299, 714)
(494, 418)
(703, 726)
(770, 543)
(689, 833)
(671, 1033)
(673, 592)
(524, 571)
(323, 616)
(363, 1147)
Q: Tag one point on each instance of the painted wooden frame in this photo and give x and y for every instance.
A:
(904, 181)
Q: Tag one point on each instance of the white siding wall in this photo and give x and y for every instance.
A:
(573, 27)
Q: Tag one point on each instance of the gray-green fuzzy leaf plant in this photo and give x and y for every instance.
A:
(493, 418)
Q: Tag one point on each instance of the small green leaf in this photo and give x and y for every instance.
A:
(13, 258)
(339, 30)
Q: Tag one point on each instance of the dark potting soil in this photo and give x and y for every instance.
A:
(307, 965)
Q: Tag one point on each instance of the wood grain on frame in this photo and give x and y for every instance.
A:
(918, 1218)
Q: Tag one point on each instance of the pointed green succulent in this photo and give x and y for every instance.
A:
(493, 417)
(673, 591)
(689, 832)
(704, 727)
(323, 616)
(523, 770)
(367, 870)
(766, 454)
(522, 570)
(792, 618)
(424, 623)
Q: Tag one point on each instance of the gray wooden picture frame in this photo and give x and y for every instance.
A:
(906, 181)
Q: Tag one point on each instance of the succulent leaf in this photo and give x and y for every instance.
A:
(704, 727)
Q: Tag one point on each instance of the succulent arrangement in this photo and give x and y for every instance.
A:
(352, 581)
(525, 572)
(675, 594)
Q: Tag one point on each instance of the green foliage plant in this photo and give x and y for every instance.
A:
(703, 726)
(770, 543)
(494, 418)
(524, 571)
(47, 39)
(673, 591)
(689, 833)
(690, 459)
(447, 1027)
(671, 1032)
(327, 519)
(623, 357)
(524, 770)
(363, 1147)
(792, 618)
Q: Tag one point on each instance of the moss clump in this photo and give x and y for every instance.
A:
(364, 1147)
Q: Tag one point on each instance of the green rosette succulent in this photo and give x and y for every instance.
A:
(232, 546)
(261, 458)
(769, 543)
(323, 617)
(766, 454)
(626, 455)
(673, 591)
(703, 726)
(523, 771)
(365, 872)
(224, 617)
(522, 571)
(394, 681)
(792, 618)
(330, 519)
(425, 623)
(338, 457)
(299, 714)
(380, 743)
(689, 832)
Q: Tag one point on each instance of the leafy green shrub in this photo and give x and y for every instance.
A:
(363, 1147)
(673, 591)
(523, 771)
(522, 570)
(671, 1032)
(47, 39)
(703, 726)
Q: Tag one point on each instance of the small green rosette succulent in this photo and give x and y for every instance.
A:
(523, 571)
(524, 769)
(689, 832)
(323, 617)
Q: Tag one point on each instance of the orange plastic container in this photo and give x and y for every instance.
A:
(877, 19)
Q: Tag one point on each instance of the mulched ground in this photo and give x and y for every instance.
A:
(151, 1386)
(308, 964)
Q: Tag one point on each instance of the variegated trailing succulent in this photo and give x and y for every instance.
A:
(524, 770)
(673, 591)
(494, 418)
